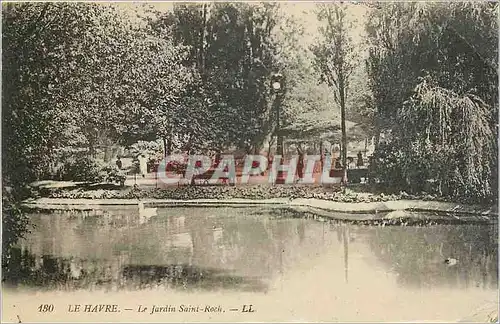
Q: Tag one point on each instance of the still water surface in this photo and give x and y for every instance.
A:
(319, 270)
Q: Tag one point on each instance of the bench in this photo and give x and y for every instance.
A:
(205, 177)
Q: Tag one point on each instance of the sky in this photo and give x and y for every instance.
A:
(304, 13)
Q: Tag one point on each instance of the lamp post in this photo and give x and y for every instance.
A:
(278, 88)
(277, 84)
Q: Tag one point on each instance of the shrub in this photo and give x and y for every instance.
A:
(111, 174)
(15, 224)
(176, 166)
(147, 148)
(83, 169)
(386, 167)
(87, 169)
(445, 140)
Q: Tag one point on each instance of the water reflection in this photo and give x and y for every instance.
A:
(117, 249)
(345, 241)
(239, 249)
(417, 254)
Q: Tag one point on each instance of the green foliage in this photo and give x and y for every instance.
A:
(81, 168)
(197, 76)
(456, 139)
(35, 64)
(87, 169)
(111, 174)
(147, 148)
(233, 49)
(15, 225)
(336, 58)
(387, 161)
(434, 85)
(82, 74)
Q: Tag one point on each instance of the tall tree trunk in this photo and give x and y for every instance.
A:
(378, 127)
(108, 150)
(92, 149)
(377, 133)
(169, 144)
(377, 139)
(344, 135)
(322, 157)
(270, 144)
(165, 149)
(202, 45)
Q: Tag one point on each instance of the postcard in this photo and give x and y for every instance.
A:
(249, 162)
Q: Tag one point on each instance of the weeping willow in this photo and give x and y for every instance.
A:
(448, 140)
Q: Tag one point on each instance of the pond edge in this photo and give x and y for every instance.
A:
(447, 208)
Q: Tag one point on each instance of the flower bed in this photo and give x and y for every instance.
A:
(225, 192)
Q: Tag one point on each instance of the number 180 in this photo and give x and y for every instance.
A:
(44, 308)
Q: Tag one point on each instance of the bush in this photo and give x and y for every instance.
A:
(15, 224)
(386, 166)
(421, 167)
(176, 166)
(444, 142)
(148, 148)
(111, 174)
(86, 169)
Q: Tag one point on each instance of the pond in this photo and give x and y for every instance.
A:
(288, 267)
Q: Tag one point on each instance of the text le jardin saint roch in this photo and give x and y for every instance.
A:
(154, 309)
(253, 165)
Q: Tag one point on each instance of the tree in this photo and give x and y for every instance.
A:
(233, 48)
(76, 74)
(335, 59)
(35, 41)
(40, 58)
(136, 80)
(434, 84)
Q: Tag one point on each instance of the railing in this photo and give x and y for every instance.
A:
(354, 175)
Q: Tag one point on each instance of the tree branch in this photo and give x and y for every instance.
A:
(31, 30)
(474, 49)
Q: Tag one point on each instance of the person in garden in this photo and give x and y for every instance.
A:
(360, 159)
(338, 163)
(119, 163)
(300, 162)
(143, 168)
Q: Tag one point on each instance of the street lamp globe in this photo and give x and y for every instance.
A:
(277, 82)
